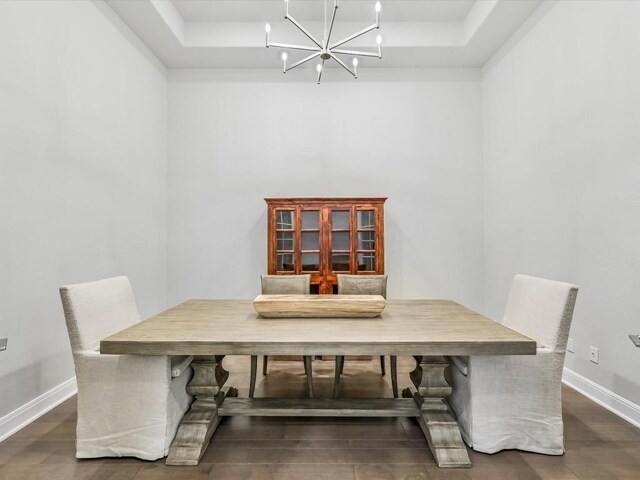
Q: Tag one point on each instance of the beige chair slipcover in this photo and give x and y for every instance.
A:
(128, 405)
(514, 402)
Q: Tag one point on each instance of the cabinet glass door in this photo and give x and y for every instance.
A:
(310, 241)
(341, 240)
(285, 240)
(366, 240)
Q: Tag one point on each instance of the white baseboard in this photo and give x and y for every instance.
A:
(613, 402)
(24, 415)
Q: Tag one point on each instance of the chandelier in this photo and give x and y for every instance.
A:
(325, 49)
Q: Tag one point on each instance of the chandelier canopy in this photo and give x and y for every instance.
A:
(324, 49)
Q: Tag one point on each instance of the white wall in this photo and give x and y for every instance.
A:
(235, 138)
(562, 176)
(82, 179)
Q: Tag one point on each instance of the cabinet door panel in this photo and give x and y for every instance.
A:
(310, 241)
(285, 219)
(340, 220)
(284, 241)
(340, 241)
(285, 262)
(367, 262)
(310, 219)
(310, 262)
(366, 219)
(340, 262)
(367, 240)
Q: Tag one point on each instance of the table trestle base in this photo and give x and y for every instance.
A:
(436, 421)
(202, 419)
(425, 402)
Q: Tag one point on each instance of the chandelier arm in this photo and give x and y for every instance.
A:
(355, 35)
(342, 64)
(320, 72)
(294, 47)
(333, 19)
(303, 30)
(304, 60)
(355, 52)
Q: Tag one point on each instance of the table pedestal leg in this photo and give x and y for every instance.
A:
(201, 420)
(437, 423)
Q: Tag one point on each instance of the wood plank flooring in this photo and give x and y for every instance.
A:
(600, 446)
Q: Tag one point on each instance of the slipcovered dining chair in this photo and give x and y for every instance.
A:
(364, 285)
(514, 402)
(128, 405)
(283, 285)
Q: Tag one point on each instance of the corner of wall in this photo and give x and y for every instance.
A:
(538, 14)
(127, 33)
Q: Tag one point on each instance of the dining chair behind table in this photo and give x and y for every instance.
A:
(283, 285)
(364, 285)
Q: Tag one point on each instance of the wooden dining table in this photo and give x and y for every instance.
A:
(428, 330)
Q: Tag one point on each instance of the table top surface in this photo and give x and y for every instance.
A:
(406, 327)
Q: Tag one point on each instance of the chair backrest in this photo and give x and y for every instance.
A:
(541, 309)
(95, 310)
(286, 284)
(362, 285)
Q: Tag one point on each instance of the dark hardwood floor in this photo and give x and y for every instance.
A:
(600, 446)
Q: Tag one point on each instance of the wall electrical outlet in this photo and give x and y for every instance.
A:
(570, 345)
(594, 355)
(3, 344)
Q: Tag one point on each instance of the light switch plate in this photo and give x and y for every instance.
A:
(570, 345)
(594, 355)
(3, 344)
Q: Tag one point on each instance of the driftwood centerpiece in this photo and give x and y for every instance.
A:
(319, 306)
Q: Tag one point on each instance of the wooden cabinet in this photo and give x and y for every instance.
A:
(324, 237)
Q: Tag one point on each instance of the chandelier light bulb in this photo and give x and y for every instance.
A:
(379, 39)
(355, 62)
(378, 7)
(267, 29)
(319, 67)
(284, 56)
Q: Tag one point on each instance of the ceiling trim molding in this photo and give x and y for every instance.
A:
(269, 75)
(130, 35)
(177, 43)
(538, 14)
(172, 18)
(476, 17)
